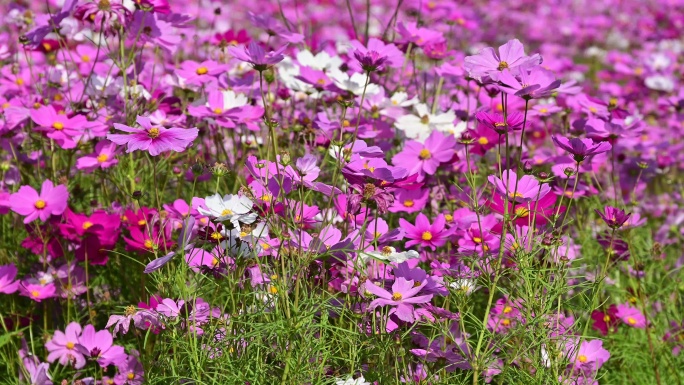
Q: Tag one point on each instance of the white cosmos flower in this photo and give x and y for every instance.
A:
(353, 83)
(322, 61)
(390, 254)
(659, 83)
(233, 100)
(352, 381)
(419, 125)
(233, 208)
(464, 285)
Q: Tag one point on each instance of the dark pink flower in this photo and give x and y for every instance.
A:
(613, 217)
(581, 148)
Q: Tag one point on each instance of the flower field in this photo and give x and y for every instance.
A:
(345, 192)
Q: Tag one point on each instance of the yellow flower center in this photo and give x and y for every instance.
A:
(397, 296)
(19, 81)
(102, 158)
(149, 244)
(216, 235)
(70, 345)
(507, 309)
(606, 318)
(477, 240)
(130, 375)
(582, 358)
(449, 218)
(522, 212)
(226, 212)
(214, 261)
(386, 250)
(217, 111)
(483, 140)
(58, 126)
(543, 110)
(35, 293)
(153, 132)
(87, 225)
(273, 289)
(424, 154)
(502, 65)
(426, 236)
(202, 71)
(424, 119)
(516, 195)
(85, 58)
(142, 222)
(631, 321)
(505, 322)
(40, 204)
(408, 203)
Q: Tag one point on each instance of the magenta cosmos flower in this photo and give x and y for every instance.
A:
(100, 347)
(8, 282)
(613, 217)
(426, 234)
(52, 200)
(581, 148)
(155, 139)
(511, 56)
(424, 159)
(256, 56)
(525, 189)
(403, 297)
(62, 346)
(533, 84)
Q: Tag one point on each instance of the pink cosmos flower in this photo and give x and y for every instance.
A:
(62, 346)
(426, 158)
(52, 200)
(256, 56)
(106, 14)
(426, 234)
(533, 84)
(103, 157)
(525, 189)
(631, 316)
(33, 289)
(155, 139)
(581, 148)
(200, 73)
(590, 356)
(58, 125)
(403, 297)
(511, 56)
(8, 284)
(99, 345)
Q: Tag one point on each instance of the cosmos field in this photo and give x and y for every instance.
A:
(345, 192)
